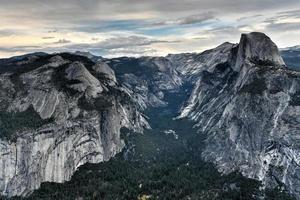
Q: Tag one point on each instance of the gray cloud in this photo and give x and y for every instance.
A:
(48, 38)
(62, 41)
(96, 26)
(9, 32)
(53, 31)
(118, 43)
(289, 13)
(119, 46)
(14, 49)
(191, 19)
(197, 18)
(223, 31)
(283, 27)
(137, 51)
(64, 11)
(275, 23)
(249, 17)
(133, 45)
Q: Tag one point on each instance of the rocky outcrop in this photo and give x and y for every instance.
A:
(105, 70)
(85, 80)
(258, 48)
(79, 110)
(249, 109)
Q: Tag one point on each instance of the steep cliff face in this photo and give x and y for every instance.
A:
(257, 48)
(249, 109)
(57, 113)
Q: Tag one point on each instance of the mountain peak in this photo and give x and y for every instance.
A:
(258, 48)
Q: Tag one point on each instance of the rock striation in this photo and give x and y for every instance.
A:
(249, 109)
(79, 109)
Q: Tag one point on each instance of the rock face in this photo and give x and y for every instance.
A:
(79, 109)
(258, 48)
(249, 109)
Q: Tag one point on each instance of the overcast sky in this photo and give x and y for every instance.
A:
(114, 28)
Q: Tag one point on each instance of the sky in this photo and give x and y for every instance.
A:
(113, 28)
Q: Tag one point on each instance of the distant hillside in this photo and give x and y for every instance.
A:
(291, 57)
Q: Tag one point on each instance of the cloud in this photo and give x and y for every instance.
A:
(191, 19)
(8, 32)
(47, 37)
(249, 17)
(132, 45)
(58, 13)
(284, 21)
(284, 16)
(284, 27)
(62, 41)
(14, 49)
(96, 26)
(119, 45)
(118, 42)
(53, 31)
(200, 18)
(290, 13)
(135, 52)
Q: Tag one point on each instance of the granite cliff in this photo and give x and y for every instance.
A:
(59, 112)
(248, 106)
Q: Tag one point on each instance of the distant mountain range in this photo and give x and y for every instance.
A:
(291, 57)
